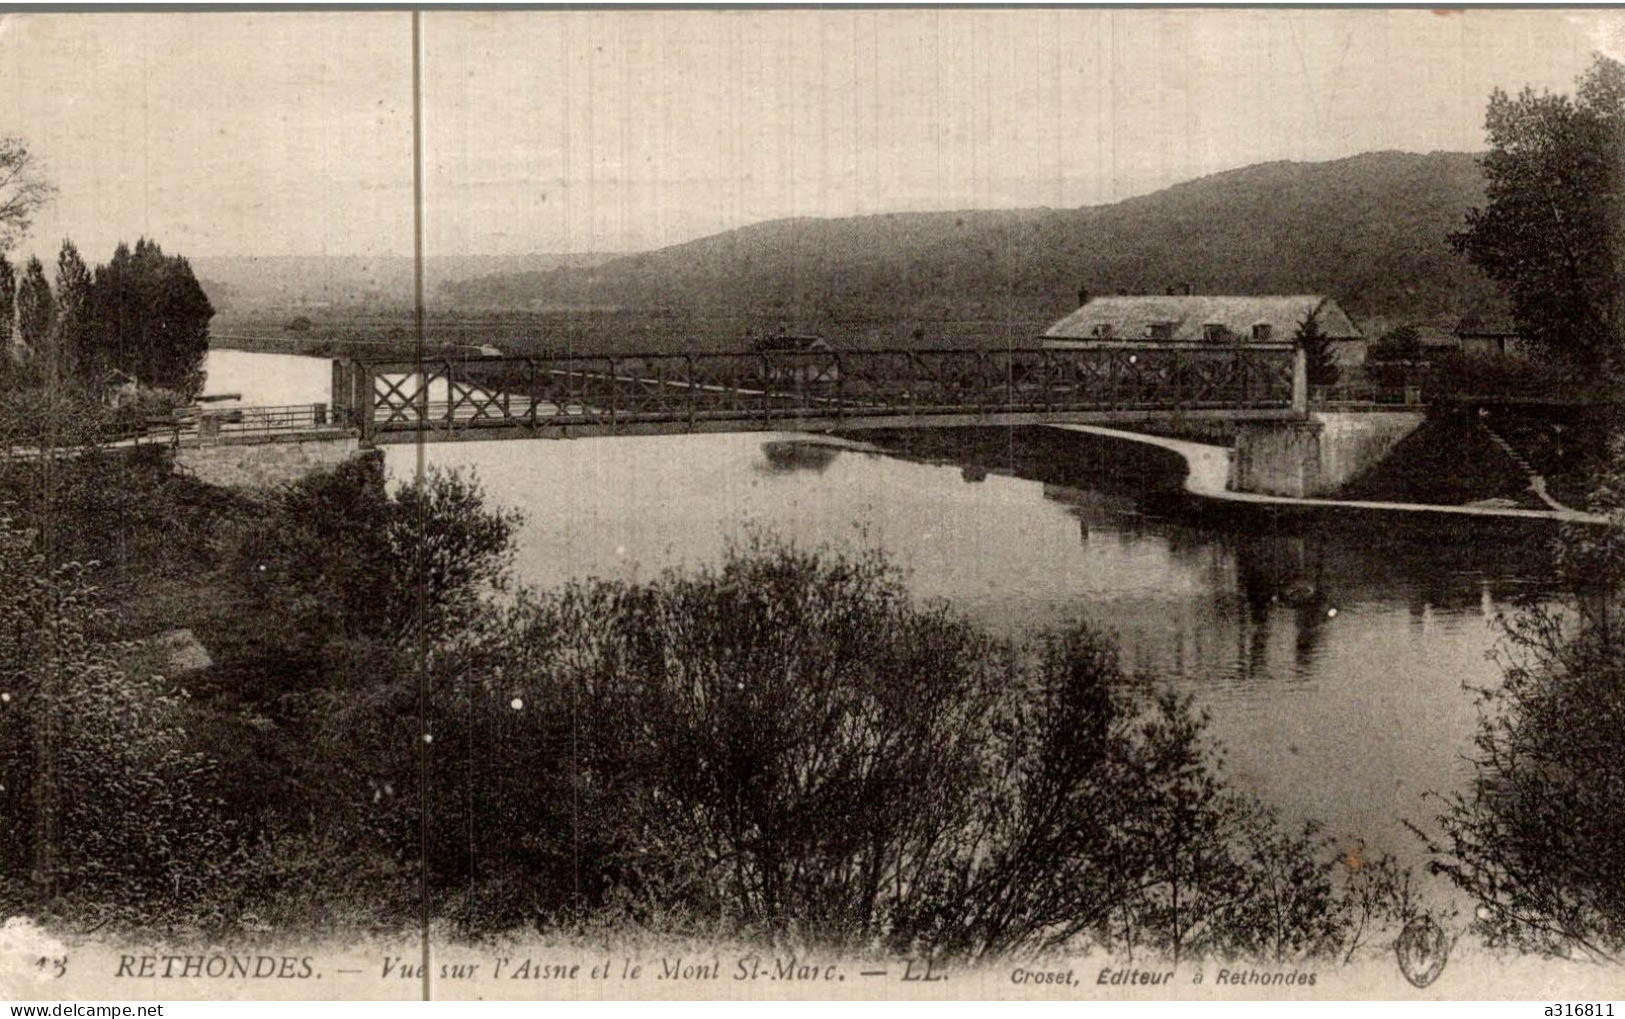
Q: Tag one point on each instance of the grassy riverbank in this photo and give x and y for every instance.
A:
(1448, 461)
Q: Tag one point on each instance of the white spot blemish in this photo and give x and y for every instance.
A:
(22, 943)
(518, 704)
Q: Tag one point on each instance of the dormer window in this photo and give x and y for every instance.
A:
(1159, 331)
(1103, 331)
(1215, 332)
(1261, 332)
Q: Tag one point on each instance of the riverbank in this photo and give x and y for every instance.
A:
(1208, 476)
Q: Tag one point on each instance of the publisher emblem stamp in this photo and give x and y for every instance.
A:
(1422, 950)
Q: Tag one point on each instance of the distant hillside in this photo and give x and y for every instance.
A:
(1369, 230)
(247, 283)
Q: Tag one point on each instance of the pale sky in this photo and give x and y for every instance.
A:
(290, 133)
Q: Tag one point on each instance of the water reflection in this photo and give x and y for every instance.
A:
(799, 455)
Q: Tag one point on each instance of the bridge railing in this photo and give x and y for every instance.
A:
(286, 418)
(1369, 395)
(766, 386)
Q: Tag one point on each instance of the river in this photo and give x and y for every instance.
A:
(1335, 662)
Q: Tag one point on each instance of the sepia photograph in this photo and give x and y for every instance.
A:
(759, 503)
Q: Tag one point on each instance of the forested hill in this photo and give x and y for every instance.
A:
(249, 283)
(1368, 229)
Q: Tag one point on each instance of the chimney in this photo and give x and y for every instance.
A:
(1185, 288)
(1083, 296)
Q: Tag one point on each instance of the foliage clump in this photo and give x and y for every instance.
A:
(106, 809)
(787, 747)
(1550, 231)
(1535, 839)
(341, 573)
(142, 316)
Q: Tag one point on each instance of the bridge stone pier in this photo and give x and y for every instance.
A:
(266, 462)
(1317, 455)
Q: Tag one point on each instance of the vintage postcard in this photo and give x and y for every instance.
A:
(917, 503)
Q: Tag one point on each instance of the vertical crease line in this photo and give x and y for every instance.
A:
(422, 591)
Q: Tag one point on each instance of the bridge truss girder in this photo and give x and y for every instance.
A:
(666, 393)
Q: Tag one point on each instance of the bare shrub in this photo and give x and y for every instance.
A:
(786, 747)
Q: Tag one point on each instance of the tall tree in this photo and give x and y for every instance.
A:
(73, 309)
(8, 314)
(22, 190)
(1553, 230)
(151, 317)
(1317, 347)
(36, 309)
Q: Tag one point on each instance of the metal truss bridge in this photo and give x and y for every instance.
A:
(659, 394)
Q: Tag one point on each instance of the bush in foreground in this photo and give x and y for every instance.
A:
(786, 747)
(105, 813)
(1536, 838)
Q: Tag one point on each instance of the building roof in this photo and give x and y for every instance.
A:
(1131, 318)
(1436, 336)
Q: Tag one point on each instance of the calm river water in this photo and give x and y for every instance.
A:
(1333, 660)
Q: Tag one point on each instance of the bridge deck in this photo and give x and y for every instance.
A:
(591, 429)
(641, 394)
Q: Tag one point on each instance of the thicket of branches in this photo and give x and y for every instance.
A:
(1536, 838)
(786, 747)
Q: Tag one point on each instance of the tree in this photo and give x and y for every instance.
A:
(344, 565)
(36, 309)
(1536, 838)
(22, 190)
(1550, 232)
(151, 317)
(73, 324)
(1317, 347)
(1402, 343)
(8, 315)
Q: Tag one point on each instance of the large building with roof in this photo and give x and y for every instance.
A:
(1204, 319)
